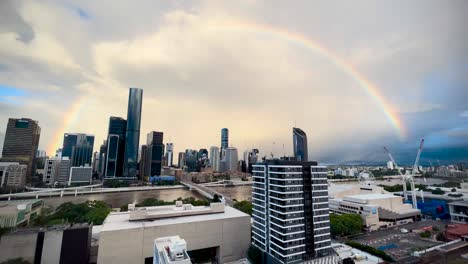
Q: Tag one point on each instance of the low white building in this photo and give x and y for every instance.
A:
(12, 174)
(128, 237)
(376, 207)
(170, 250)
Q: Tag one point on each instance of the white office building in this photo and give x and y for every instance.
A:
(169, 154)
(231, 159)
(214, 158)
(219, 231)
(290, 210)
(56, 169)
(12, 174)
(80, 175)
(390, 165)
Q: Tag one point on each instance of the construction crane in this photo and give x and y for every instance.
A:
(416, 162)
(403, 176)
(410, 177)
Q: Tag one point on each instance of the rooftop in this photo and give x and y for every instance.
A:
(371, 196)
(459, 203)
(121, 220)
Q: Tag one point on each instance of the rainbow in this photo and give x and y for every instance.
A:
(69, 118)
(293, 37)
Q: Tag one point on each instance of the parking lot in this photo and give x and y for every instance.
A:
(397, 244)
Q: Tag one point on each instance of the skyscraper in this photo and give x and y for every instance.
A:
(181, 160)
(224, 140)
(191, 162)
(154, 153)
(290, 211)
(214, 158)
(300, 145)
(231, 159)
(132, 137)
(21, 142)
(78, 147)
(169, 154)
(115, 147)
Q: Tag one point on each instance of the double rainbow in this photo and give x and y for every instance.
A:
(280, 33)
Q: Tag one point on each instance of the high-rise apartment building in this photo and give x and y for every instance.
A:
(290, 211)
(214, 158)
(132, 137)
(21, 142)
(78, 147)
(300, 145)
(154, 153)
(169, 154)
(115, 147)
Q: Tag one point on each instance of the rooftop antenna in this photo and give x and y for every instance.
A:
(284, 152)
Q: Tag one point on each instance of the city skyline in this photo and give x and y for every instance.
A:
(388, 84)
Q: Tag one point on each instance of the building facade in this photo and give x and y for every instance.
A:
(224, 141)
(169, 154)
(128, 237)
(300, 145)
(115, 147)
(80, 175)
(231, 159)
(154, 153)
(191, 160)
(214, 158)
(181, 160)
(21, 143)
(14, 176)
(290, 210)
(78, 147)
(132, 136)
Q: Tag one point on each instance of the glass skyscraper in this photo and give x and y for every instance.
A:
(300, 144)
(132, 137)
(154, 154)
(78, 147)
(115, 147)
(224, 138)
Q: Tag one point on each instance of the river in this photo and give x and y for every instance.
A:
(239, 193)
(122, 198)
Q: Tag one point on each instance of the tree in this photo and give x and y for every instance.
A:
(16, 261)
(216, 198)
(425, 234)
(345, 225)
(441, 237)
(379, 253)
(244, 206)
(438, 191)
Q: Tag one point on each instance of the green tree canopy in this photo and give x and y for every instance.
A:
(345, 225)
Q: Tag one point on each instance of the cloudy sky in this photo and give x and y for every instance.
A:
(252, 66)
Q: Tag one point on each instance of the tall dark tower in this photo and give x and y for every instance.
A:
(115, 147)
(132, 137)
(224, 138)
(300, 145)
(21, 142)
